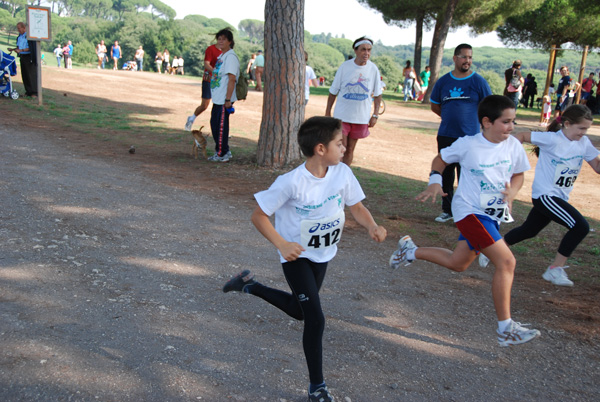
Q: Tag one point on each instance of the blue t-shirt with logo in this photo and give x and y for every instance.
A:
(459, 99)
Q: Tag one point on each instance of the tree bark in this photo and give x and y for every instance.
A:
(419, 44)
(440, 32)
(283, 102)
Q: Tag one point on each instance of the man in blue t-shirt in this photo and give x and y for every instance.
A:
(455, 98)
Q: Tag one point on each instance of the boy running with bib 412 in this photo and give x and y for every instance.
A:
(308, 204)
(493, 164)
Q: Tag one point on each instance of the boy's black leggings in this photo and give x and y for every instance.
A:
(305, 279)
(550, 208)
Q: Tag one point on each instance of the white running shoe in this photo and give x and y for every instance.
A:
(443, 217)
(557, 276)
(516, 334)
(483, 260)
(189, 123)
(399, 256)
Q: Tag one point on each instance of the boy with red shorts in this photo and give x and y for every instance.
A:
(493, 164)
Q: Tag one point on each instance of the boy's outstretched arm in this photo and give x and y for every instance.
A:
(365, 219)
(435, 181)
(289, 250)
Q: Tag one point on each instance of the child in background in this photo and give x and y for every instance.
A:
(493, 164)
(561, 151)
(546, 110)
(308, 204)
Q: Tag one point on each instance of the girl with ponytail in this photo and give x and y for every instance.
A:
(561, 151)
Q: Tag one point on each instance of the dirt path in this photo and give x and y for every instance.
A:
(111, 266)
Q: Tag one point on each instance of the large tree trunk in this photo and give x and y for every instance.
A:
(419, 44)
(440, 32)
(283, 103)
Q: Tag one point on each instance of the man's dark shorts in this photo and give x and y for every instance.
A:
(206, 90)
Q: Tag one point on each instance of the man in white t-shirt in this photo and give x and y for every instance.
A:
(222, 85)
(309, 77)
(354, 82)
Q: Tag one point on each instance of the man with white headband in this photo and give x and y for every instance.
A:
(355, 81)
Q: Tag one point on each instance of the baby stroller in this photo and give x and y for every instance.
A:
(8, 68)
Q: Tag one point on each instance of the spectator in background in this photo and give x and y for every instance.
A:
(222, 85)
(309, 78)
(251, 69)
(70, 54)
(101, 53)
(321, 81)
(260, 69)
(180, 66)
(586, 88)
(174, 65)
(139, 58)
(66, 50)
(166, 64)
(530, 91)
(409, 80)
(425, 75)
(158, 59)
(514, 82)
(26, 50)
(355, 81)
(58, 53)
(115, 52)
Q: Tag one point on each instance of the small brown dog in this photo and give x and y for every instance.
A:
(199, 142)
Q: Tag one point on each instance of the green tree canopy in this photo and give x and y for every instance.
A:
(254, 29)
(554, 22)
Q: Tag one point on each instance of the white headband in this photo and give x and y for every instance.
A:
(362, 42)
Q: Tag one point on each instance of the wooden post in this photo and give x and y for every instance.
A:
(581, 73)
(549, 75)
(38, 58)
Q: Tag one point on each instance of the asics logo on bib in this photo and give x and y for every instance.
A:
(568, 170)
(495, 200)
(324, 226)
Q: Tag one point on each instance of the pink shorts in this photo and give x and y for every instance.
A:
(355, 131)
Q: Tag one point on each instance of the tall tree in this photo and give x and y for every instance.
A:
(554, 22)
(255, 29)
(283, 103)
(481, 15)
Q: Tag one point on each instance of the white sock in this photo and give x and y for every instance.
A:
(192, 117)
(502, 325)
(410, 254)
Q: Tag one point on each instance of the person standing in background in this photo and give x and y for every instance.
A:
(260, 69)
(139, 58)
(455, 98)
(101, 53)
(211, 55)
(115, 52)
(26, 50)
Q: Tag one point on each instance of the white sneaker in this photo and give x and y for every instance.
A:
(483, 260)
(399, 256)
(443, 217)
(189, 123)
(516, 334)
(557, 276)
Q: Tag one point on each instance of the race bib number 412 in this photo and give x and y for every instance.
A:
(322, 233)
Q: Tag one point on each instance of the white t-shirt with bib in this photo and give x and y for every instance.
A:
(559, 163)
(227, 63)
(486, 167)
(353, 85)
(310, 210)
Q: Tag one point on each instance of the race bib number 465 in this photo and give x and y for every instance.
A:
(322, 233)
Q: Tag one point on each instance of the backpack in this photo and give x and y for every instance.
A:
(241, 87)
(515, 81)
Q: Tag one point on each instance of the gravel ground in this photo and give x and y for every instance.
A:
(110, 290)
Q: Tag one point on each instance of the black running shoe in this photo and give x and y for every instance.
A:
(239, 282)
(320, 395)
